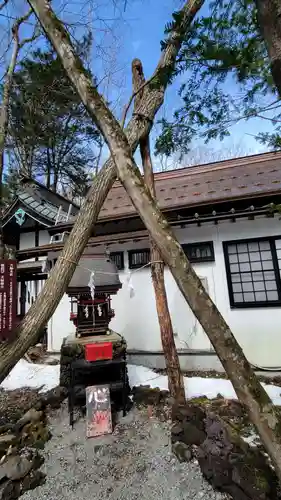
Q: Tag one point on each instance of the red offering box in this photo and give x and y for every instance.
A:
(98, 352)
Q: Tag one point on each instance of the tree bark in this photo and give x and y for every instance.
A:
(4, 110)
(250, 392)
(4, 119)
(175, 378)
(269, 19)
(140, 124)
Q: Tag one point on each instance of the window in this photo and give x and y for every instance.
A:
(118, 259)
(199, 252)
(253, 272)
(138, 258)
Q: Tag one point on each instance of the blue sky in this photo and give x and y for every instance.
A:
(143, 30)
(119, 36)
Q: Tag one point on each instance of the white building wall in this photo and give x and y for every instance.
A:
(258, 330)
(27, 240)
(60, 325)
(136, 318)
(44, 237)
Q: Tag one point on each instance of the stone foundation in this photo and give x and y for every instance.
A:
(20, 442)
(74, 348)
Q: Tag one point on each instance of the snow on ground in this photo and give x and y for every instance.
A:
(26, 374)
(194, 386)
(46, 377)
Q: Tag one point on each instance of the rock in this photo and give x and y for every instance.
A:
(192, 435)
(187, 433)
(30, 416)
(190, 413)
(146, 395)
(32, 480)
(232, 466)
(54, 397)
(6, 440)
(190, 426)
(35, 434)
(53, 362)
(226, 460)
(177, 433)
(182, 451)
(35, 353)
(15, 467)
(6, 428)
(230, 410)
(33, 456)
(10, 490)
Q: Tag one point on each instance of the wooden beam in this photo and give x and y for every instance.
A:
(120, 238)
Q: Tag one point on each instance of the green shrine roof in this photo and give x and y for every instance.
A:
(40, 203)
(42, 207)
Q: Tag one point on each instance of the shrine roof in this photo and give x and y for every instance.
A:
(39, 202)
(234, 179)
(247, 178)
(105, 272)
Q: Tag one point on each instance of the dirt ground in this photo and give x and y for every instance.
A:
(135, 462)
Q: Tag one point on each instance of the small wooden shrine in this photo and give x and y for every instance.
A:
(90, 295)
(95, 355)
(93, 283)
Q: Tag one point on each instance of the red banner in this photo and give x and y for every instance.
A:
(8, 297)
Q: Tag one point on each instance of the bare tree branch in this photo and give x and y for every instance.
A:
(4, 111)
(135, 94)
(4, 4)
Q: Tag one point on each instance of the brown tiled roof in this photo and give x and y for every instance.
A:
(250, 176)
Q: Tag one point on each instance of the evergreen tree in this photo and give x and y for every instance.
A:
(228, 78)
(50, 134)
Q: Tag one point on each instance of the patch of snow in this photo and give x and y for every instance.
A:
(30, 375)
(252, 439)
(194, 386)
(46, 377)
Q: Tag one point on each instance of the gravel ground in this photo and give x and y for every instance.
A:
(133, 463)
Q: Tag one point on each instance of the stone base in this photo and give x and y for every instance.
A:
(74, 348)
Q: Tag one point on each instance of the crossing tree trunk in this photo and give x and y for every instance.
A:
(40, 312)
(175, 377)
(262, 412)
(269, 19)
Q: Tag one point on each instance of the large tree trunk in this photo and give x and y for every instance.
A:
(250, 392)
(45, 305)
(269, 19)
(4, 119)
(175, 378)
(4, 110)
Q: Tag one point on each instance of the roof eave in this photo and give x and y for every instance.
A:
(68, 226)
